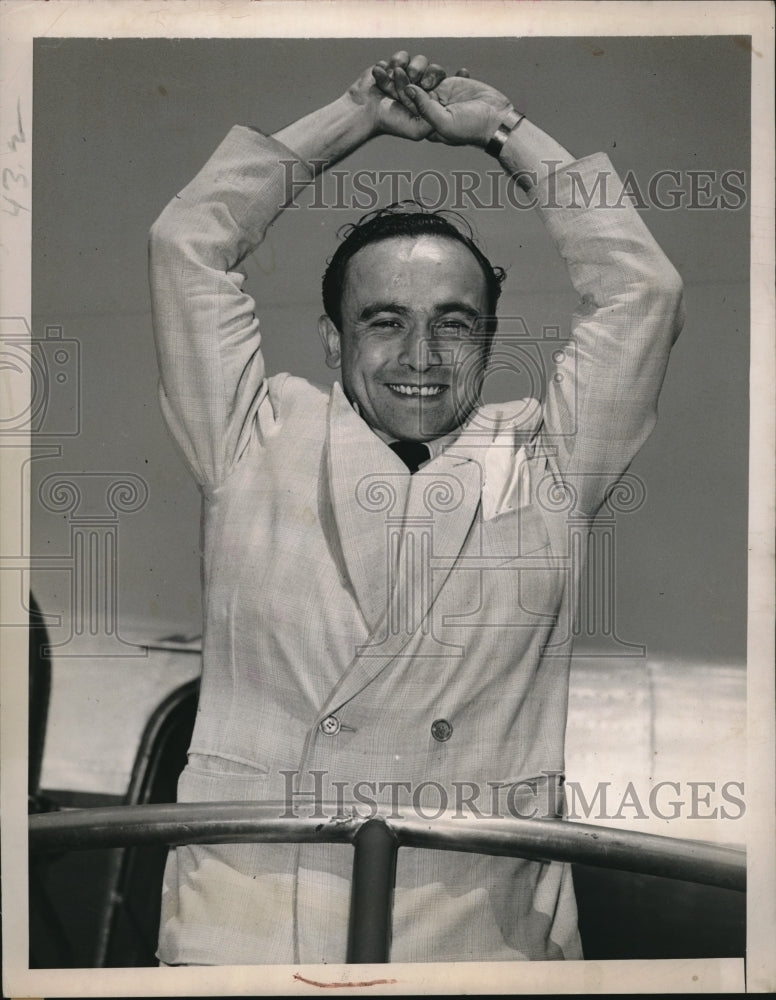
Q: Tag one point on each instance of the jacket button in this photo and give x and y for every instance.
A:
(441, 730)
(330, 726)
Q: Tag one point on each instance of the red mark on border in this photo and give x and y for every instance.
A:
(334, 986)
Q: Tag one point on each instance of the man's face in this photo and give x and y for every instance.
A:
(411, 350)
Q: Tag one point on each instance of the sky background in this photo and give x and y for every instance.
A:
(121, 125)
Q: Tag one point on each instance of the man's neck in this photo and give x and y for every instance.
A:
(435, 446)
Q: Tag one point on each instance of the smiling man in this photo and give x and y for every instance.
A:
(408, 297)
(388, 586)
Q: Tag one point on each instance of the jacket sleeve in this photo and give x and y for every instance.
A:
(207, 334)
(601, 399)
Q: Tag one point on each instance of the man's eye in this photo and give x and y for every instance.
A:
(452, 328)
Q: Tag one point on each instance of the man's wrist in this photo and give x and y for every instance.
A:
(361, 118)
(331, 132)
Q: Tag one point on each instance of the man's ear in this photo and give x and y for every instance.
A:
(330, 336)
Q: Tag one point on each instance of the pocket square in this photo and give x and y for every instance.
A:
(508, 430)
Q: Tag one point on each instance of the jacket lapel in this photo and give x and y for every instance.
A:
(401, 536)
(368, 486)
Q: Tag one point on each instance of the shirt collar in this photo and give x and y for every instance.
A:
(435, 447)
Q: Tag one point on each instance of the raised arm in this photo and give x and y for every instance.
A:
(601, 401)
(207, 334)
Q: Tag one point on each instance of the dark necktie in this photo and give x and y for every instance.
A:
(412, 453)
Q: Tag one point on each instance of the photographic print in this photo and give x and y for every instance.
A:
(387, 444)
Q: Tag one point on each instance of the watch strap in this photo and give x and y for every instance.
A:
(511, 120)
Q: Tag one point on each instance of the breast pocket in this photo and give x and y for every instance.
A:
(209, 778)
(516, 534)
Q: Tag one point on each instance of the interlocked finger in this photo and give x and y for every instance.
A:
(416, 68)
(433, 76)
(383, 77)
(400, 82)
(400, 58)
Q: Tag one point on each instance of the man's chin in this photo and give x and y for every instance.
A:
(424, 432)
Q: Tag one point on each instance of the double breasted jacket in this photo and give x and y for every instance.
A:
(372, 636)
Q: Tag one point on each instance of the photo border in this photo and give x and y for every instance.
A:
(21, 22)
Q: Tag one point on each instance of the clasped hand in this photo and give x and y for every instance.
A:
(415, 99)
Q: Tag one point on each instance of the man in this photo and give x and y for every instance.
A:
(386, 571)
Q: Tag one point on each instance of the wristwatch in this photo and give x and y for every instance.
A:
(503, 132)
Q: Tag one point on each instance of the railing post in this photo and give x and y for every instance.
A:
(371, 899)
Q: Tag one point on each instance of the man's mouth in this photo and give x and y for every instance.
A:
(416, 390)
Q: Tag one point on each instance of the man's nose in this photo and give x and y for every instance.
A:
(419, 349)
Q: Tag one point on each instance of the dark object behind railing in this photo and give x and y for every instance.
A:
(376, 838)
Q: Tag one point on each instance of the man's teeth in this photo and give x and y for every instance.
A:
(417, 390)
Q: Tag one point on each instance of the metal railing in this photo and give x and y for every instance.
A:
(376, 839)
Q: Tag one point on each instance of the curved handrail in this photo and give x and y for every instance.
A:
(273, 822)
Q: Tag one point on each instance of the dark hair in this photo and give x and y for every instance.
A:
(404, 218)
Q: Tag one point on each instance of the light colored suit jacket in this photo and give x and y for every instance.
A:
(375, 635)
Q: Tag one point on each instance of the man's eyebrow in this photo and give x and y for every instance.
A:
(453, 306)
(456, 306)
(378, 307)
